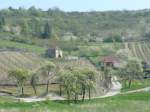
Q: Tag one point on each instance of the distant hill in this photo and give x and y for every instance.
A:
(33, 22)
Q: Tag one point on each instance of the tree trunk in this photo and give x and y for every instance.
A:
(60, 90)
(34, 88)
(47, 87)
(89, 93)
(68, 95)
(33, 84)
(130, 82)
(22, 90)
(83, 94)
(75, 100)
(125, 83)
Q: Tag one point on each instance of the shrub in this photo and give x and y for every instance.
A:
(115, 38)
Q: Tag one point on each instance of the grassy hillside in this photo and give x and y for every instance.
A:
(16, 45)
(137, 102)
(11, 60)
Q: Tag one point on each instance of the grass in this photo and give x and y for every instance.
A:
(137, 102)
(137, 84)
(31, 48)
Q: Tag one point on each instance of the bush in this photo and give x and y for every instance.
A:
(115, 38)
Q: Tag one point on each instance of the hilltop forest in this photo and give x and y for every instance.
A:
(27, 24)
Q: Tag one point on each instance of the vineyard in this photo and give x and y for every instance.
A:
(11, 60)
(140, 50)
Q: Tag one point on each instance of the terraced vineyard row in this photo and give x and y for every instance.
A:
(11, 60)
(140, 50)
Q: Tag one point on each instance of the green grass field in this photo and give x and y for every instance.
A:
(137, 102)
(136, 84)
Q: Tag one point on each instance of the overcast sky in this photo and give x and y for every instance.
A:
(79, 5)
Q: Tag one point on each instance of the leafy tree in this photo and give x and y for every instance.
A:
(33, 82)
(25, 27)
(47, 69)
(89, 80)
(133, 70)
(115, 38)
(67, 78)
(76, 81)
(21, 75)
(47, 31)
(122, 72)
(34, 11)
(35, 26)
(2, 22)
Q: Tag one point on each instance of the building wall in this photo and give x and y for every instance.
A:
(58, 54)
(54, 53)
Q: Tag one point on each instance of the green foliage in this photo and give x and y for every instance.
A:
(33, 82)
(21, 76)
(147, 35)
(90, 51)
(32, 22)
(2, 22)
(136, 84)
(133, 70)
(16, 45)
(24, 26)
(115, 38)
(70, 46)
(48, 70)
(47, 31)
(76, 81)
(48, 67)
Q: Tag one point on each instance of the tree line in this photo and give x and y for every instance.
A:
(35, 22)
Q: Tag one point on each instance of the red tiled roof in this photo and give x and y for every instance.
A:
(108, 59)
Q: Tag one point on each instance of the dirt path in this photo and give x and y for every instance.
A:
(50, 96)
(146, 89)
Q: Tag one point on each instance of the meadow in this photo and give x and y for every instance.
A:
(137, 102)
